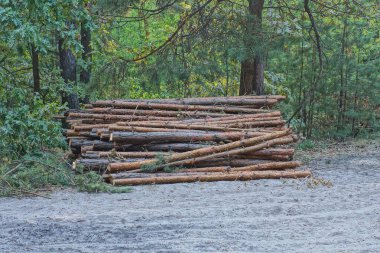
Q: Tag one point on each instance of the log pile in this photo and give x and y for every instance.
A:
(157, 141)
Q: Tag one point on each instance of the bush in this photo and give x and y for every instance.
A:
(28, 126)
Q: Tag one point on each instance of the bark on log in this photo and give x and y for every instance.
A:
(242, 176)
(175, 147)
(156, 129)
(260, 153)
(161, 113)
(255, 167)
(117, 117)
(175, 107)
(242, 100)
(167, 137)
(233, 117)
(99, 164)
(89, 127)
(255, 124)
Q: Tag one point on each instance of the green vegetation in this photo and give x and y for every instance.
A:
(47, 170)
(54, 55)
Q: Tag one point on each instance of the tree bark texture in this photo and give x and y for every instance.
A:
(36, 69)
(67, 63)
(252, 69)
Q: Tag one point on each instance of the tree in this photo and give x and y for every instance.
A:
(252, 68)
(68, 66)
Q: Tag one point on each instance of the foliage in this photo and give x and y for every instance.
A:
(306, 145)
(45, 170)
(27, 128)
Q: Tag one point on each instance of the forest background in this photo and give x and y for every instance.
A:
(57, 55)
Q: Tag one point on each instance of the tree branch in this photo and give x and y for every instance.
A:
(173, 35)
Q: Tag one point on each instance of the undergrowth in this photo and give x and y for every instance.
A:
(44, 171)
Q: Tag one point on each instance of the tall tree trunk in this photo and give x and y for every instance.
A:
(67, 63)
(86, 55)
(342, 81)
(85, 72)
(246, 78)
(252, 70)
(36, 69)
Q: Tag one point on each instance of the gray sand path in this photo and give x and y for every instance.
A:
(255, 216)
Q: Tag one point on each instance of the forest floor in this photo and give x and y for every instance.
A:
(340, 212)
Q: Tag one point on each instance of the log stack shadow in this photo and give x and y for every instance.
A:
(157, 141)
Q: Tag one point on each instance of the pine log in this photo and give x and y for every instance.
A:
(243, 120)
(144, 154)
(239, 176)
(175, 147)
(244, 125)
(224, 99)
(202, 152)
(197, 126)
(79, 128)
(156, 129)
(161, 113)
(99, 164)
(151, 175)
(177, 107)
(233, 117)
(251, 101)
(270, 157)
(77, 143)
(117, 117)
(253, 167)
(84, 149)
(167, 137)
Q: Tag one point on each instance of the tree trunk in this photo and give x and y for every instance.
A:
(246, 78)
(36, 69)
(241, 176)
(252, 70)
(67, 63)
(85, 72)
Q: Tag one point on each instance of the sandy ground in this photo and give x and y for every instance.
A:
(255, 216)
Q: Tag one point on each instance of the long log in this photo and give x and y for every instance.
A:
(157, 129)
(161, 113)
(233, 117)
(253, 167)
(86, 127)
(242, 120)
(229, 98)
(255, 124)
(167, 137)
(242, 176)
(175, 147)
(197, 126)
(247, 100)
(99, 164)
(177, 107)
(117, 117)
(260, 153)
(200, 152)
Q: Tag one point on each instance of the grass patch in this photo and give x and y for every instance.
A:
(306, 145)
(45, 171)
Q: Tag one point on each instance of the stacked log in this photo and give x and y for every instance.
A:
(157, 141)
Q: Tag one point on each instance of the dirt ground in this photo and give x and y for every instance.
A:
(254, 216)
